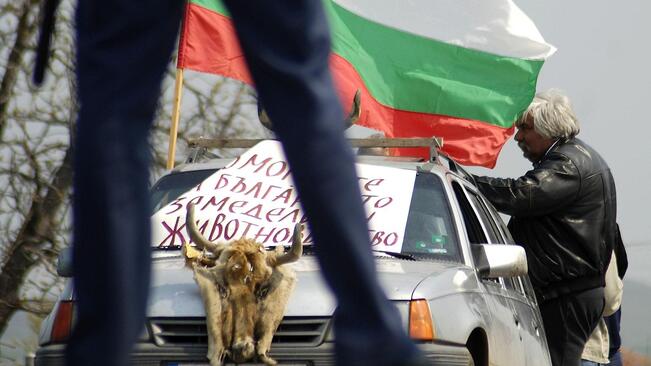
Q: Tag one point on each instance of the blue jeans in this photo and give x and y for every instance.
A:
(123, 50)
(591, 363)
(615, 360)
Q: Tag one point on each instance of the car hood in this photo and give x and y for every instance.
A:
(174, 292)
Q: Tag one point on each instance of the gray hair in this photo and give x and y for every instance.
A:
(553, 115)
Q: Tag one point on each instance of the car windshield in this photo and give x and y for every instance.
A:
(429, 233)
(172, 186)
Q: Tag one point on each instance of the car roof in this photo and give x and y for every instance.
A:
(407, 163)
(441, 164)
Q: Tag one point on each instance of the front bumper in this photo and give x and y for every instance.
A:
(322, 355)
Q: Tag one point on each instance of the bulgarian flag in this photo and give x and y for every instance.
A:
(464, 70)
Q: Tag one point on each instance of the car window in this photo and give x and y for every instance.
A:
(474, 230)
(430, 232)
(170, 187)
(506, 234)
(489, 222)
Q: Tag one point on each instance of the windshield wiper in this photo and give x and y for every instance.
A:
(168, 247)
(396, 255)
(307, 249)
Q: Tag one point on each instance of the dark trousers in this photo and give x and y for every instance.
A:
(569, 321)
(123, 49)
(613, 323)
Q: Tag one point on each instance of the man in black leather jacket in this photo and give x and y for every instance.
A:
(563, 213)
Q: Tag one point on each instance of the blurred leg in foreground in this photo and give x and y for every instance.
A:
(123, 48)
(287, 44)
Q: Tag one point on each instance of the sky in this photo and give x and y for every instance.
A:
(601, 64)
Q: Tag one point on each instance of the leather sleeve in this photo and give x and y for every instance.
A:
(620, 252)
(553, 184)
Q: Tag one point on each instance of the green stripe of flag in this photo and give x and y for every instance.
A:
(214, 5)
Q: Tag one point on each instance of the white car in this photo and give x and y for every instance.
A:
(458, 269)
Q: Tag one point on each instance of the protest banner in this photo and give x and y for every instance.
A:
(254, 197)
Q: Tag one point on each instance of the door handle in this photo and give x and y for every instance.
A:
(516, 319)
(536, 327)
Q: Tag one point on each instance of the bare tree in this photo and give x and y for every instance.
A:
(35, 170)
(36, 129)
(24, 30)
(213, 106)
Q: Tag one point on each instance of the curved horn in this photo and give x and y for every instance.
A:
(355, 109)
(296, 250)
(353, 116)
(200, 240)
(264, 117)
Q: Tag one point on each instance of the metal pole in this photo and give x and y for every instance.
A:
(174, 127)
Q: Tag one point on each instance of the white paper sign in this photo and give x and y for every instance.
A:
(254, 197)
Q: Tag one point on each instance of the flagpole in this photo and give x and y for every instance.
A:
(174, 127)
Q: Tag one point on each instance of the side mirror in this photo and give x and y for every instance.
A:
(499, 260)
(64, 262)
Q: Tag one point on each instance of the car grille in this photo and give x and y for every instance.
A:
(294, 331)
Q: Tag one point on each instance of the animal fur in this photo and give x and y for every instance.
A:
(245, 290)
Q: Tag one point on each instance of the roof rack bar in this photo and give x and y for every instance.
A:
(224, 143)
(433, 143)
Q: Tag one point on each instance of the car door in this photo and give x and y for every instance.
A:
(505, 345)
(524, 304)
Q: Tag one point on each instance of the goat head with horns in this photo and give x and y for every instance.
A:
(245, 290)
